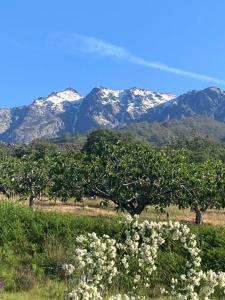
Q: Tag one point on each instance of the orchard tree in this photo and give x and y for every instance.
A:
(203, 187)
(32, 178)
(97, 139)
(38, 149)
(134, 176)
(68, 177)
(9, 167)
(200, 149)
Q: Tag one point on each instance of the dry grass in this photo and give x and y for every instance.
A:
(93, 208)
(213, 217)
(88, 208)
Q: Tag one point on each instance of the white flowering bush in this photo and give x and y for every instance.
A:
(100, 263)
(95, 258)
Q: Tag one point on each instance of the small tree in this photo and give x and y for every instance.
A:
(32, 178)
(203, 187)
(68, 177)
(9, 167)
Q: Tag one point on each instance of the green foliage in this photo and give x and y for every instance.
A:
(6, 149)
(168, 132)
(201, 149)
(68, 175)
(38, 149)
(20, 227)
(9, 167)
(202, 187)
(25, 177)
(40, 242)
(115, 167)
(32, 177)
(98, 138)
(212, 243)
(134, 175)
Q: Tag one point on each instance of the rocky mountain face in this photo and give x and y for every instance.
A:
(209, 103)
(68, 112)
(108, 108)
(45, 117)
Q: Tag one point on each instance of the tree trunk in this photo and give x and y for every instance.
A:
(134, 211)
(167, 216)
(4, 191)
(31, 201)
(199, 216)
(83, 204)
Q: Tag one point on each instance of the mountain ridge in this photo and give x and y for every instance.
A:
(69, 112)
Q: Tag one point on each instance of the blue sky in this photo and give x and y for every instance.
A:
(163, 45)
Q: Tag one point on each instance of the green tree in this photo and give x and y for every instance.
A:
(96, 140)
(31, 178)
(37, 149)
(203, 187)
(9, 167)
(68, 177)
(135, 175)
(201, 149)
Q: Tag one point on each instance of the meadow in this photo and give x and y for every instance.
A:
(34, 244)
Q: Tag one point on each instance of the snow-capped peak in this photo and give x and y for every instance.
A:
(148, 93)
(140, 92)
(106, 92)
(62, 96)
(58, 99)
(142, 100)
(66, 95)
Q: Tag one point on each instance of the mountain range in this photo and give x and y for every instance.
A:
(69, 112)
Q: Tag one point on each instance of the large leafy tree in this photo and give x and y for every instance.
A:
(134, 175)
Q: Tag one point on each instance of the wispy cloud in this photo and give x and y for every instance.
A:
(94, 45)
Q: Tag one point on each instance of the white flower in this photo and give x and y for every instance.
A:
(101, 259)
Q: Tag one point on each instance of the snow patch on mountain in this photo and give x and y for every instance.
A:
(136, 97)
(105, 92)
(142, 100)
(57, 101)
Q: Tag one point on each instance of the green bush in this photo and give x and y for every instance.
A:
(41, 241)
(212, 244)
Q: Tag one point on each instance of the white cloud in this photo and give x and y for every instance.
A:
(94, 45)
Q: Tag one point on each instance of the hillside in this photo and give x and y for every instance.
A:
(160, 133)
(167, 132)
